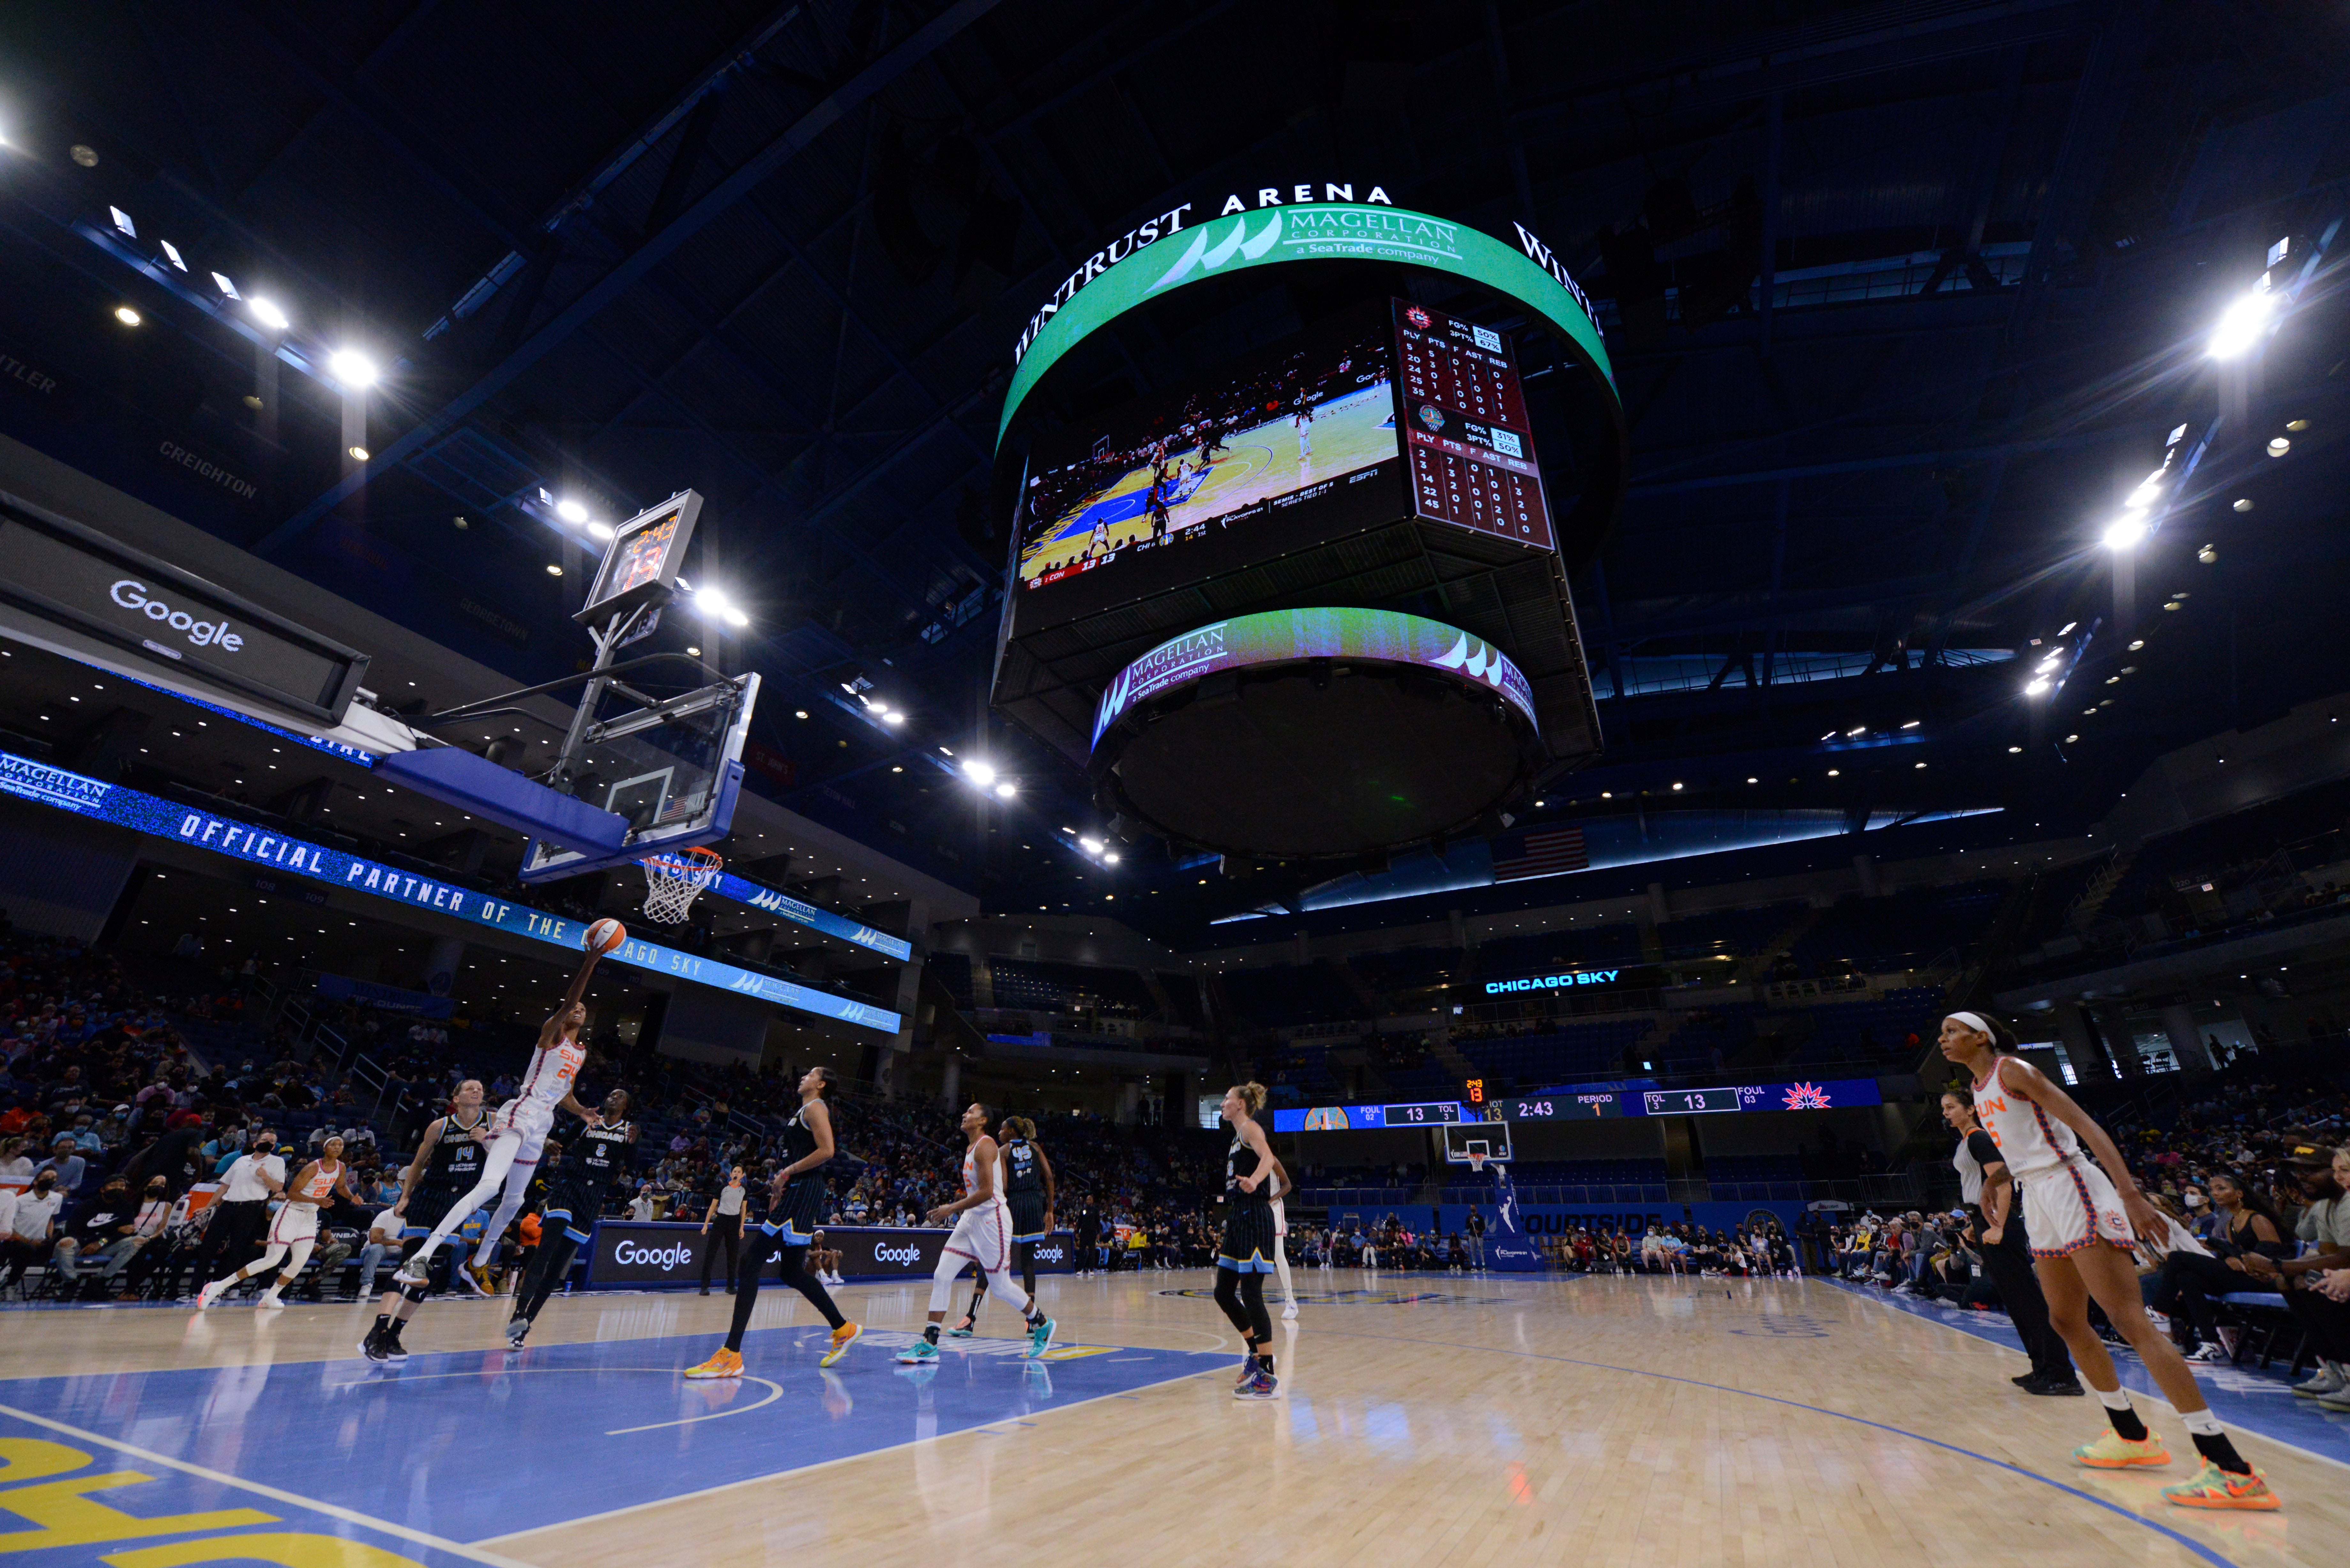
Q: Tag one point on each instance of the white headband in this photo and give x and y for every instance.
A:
(1974, 1021)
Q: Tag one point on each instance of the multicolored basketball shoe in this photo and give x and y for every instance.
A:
(2213, 1487)
(921, 1352)
(2114, 1452)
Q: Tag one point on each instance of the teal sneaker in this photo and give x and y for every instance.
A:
(959, 1331)
(1040, 1338)
(918, 1354)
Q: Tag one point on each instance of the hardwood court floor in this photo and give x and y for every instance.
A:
(1424, 1420)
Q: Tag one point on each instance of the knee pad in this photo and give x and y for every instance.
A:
(413, 1295)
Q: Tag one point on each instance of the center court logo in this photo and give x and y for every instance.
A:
(909, 1256)
(665, 1259)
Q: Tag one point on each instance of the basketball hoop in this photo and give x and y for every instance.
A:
(1476, 1163)
(673, 881)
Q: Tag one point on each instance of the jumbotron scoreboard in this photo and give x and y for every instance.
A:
(1300, 591)
(1591, 1104)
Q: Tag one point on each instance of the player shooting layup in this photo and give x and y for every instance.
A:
(518, 1132)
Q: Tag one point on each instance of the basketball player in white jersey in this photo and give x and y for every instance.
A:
(983, 1235)
(1303, 422)
(2083, 1220)
(295, 1229)
(1281, 1243)
(518, 1132)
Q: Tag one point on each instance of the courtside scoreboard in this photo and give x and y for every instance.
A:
(1463, 415)
(1571, 1105)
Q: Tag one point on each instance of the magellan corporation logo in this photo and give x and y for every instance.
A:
(908, 1256)
(665, 1259)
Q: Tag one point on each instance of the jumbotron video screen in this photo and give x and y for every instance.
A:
(1279, 450)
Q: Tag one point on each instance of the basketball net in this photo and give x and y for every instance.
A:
(672, 882)
(1476, 1163)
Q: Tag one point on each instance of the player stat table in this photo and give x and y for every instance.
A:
(1464, 419)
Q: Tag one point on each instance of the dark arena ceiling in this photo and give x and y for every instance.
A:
(1904, 299)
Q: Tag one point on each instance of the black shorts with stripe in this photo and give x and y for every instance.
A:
(1249, 1245)
(574, 1205)
(797, 1215)
(1028, 1216)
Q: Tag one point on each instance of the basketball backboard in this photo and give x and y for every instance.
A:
(1489, 1140)
(671, 770)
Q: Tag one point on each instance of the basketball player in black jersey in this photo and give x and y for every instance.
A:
(794, 1209)
(598, 1156)
(1028, 1188)
(449, 1159)
(1249, 1246)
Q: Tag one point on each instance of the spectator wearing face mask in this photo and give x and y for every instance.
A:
(32, 1223)
(66, 1160)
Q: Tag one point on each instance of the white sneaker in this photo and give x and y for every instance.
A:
(2208, 1352)
(1289, 1312)
(211, 1295)
(269, 1299)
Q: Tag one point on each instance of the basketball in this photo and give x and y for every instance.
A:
(606, 935)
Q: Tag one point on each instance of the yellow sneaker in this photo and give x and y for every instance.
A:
(2114, 1452)
(2213, 1487)
(842, 1338)
(723, 1363)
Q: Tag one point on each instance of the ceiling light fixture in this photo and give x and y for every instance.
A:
(267, 312)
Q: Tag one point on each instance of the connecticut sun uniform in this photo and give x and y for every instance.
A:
(554, 1069)
(2068, 1201)
(982, 1234)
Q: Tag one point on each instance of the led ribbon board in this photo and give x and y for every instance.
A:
(1319, 231)
(143, 813)
(1278, 636)
(759, 897)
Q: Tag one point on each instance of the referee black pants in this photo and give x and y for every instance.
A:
(2010, 1268)
(725, 1231)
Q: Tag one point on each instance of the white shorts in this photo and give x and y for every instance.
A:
(1280, 1219)
(531, 1118)
(983, 1235)
(2071, 1206)
(295, 1223)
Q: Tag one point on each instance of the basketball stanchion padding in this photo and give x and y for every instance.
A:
(606, 935)
(673, 881)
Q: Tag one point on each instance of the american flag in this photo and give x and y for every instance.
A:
(1544, 853)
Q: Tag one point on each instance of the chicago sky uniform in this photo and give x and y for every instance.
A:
(1249, 1243)
(801, 1208)
(597, 1158)
(1024, 1189)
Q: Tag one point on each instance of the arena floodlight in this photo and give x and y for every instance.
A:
(979, 772)
(220, 281)
(1090, 846)
(888, 715)
(2127, 532)
(122, 221)
(1006, 790)
(570, 511)
(267, 312)
(1111, 859)
(2038, 688)
(352, 369)
(738, 618)
(600, 531)
(171, 254)
(2242, 324)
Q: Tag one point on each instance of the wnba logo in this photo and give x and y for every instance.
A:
(909, 1256)
(661, 1258)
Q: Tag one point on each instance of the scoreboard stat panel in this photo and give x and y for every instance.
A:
(1463, 414)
